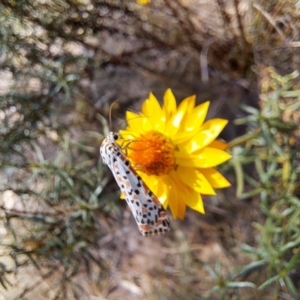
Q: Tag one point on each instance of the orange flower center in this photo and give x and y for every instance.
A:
(152, 153)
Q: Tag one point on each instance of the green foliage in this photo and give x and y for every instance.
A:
(274, 154)
(225, 285)
(52, 184)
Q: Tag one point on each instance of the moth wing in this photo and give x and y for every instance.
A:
(148, 212)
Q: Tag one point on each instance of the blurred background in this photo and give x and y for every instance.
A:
(64, 232)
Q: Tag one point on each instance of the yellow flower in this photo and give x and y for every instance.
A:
(175, 151)
(143, 2)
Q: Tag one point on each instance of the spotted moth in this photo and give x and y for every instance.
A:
(148, 212)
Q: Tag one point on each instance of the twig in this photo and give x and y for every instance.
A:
(241, 27)
(203, 62)
(293, 44)
(269, 18)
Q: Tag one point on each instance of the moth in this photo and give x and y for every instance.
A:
(149, 214)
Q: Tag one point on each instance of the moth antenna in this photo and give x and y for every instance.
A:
(110, 118)
(110, 113)
(137, 117)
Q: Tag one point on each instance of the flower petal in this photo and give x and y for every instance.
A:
(136, 123)
(196, 116)
(191, 197)
(181, 209)
(173, 124)
(182, 137)
(219, 145)
(127, 135)
(216, 179)
(208, 133)
(170, 104)
(197, 205)
(191, 100)
(173, 195)
(153, 112)
(193, 200)
(195, 179)
(205, 158)
(157, 187)
(188, 104)
(162, 193)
